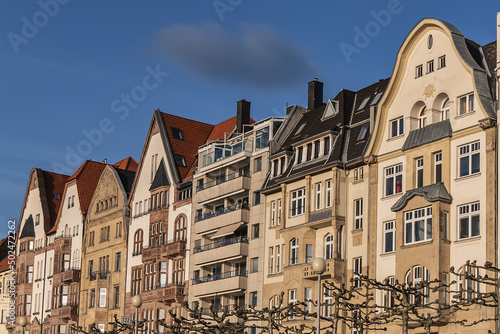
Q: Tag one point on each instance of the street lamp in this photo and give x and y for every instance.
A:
(319, 266)
(137, 302)
(23, 322)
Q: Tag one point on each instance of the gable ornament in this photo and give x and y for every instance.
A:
(429, 91)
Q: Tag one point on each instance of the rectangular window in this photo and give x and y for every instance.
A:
(118, 261)
(309, 253)
(430, 66)
(318, 195)
(316, 149)
(102, 297)
(328, 302)
(441, 62)
(308, 301)
(438, 167)
(300, 152)
(297, 202)
(282, 165)
(255, 231)
(271, 260)
(419, 175)
(445, 226)
(419, 71)
(292, 299)
(278, 259)
(358, 214)
(278, 219)
(328, 195)
(418, 225)
(393, 180)
(327, 146)
(92, 298)
(256, 200)
(116, 303)
(258, 164)
(389, 236)
(255, 265)
(469, 159)
(468, 220)
(273, 212)
(309, 152)
(466, 104)
(253, 298)
(37, 220)
(356, 271)
(397, 127)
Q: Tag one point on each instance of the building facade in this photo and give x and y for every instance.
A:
(103, 274)
(227, 243)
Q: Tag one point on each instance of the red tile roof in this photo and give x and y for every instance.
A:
(127, 164)
(194, 135)
(4, 265)
(86, 178)
(54, 183)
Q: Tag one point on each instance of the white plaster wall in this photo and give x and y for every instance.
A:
(72, 217)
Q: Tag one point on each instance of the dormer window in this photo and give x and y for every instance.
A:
(177, 134)
(363, 104)
(309, 152)
(327, 146)
(364, 132)
(300, 152)
(316, 149)
(282, 165)
(180, 160)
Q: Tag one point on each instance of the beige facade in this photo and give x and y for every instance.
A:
(227, 242)
(103, 275)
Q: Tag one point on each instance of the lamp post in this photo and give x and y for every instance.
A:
(319, 266)
(23, 322)
(137, 302)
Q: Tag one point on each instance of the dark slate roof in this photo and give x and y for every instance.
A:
(317, 216)
(161, 178)
(490, 56)
(126, 178)
(28, 229)
(428, 134)
(431, 193)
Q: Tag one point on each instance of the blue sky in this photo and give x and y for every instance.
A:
(78, 69)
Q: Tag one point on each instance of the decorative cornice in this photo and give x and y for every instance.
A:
(487, 123)
(371, 160)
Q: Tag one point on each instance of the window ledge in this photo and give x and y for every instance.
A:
(358, 181)
(464, 240)
(274, 275)
(388, 254)
(467, 176)
(418, 243)
(357, 231)
(391, 196)
(465, 115)
(395, 138)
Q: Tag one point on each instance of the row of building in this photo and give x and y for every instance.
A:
(397, 180)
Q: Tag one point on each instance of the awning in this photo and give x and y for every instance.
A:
(226, 230)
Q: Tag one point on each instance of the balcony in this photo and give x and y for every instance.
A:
(334, 269)
(223, 151)
(71, 275)
(65, 312)
(228, 282)
(227, 216)
(164, 249)
(99, 275)
(165, 293)
(224, 186)
(219, 251)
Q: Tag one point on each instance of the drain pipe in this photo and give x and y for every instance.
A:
(344, 230)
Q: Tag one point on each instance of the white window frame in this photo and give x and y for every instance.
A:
(419, 172)
(278, 220)
(469, 212)
(271, 260)
(308, 302)
(102, 297)
(358, 214)
(278, 258)
(297, 202)
(393, 172)
(469, 100)
(328, 246)
(416, 275)
(438, 163)
(318, 195)
(294, 251)
(328, 193)
(327, 301)
(470, 152)
(445, 109)
(430, 66)
(421, 216)
(390, 229)
(398, 125)
(357, 269)
(292, 299)
(442, 62)
(419, 71)
(422, 118)
(273, 213)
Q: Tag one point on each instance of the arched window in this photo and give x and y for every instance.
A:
(180, 228)
(66, 230)
(294, 251)
(445, 110)
(138, 242)
(329, 246)
(422, 118)
(414, 279)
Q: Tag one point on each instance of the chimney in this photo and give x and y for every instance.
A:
(315, 94)
(242, 114)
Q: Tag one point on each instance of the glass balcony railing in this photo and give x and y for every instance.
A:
(219, 212)
(223, 151)
(226, 242)
(216, 277)
(222, 179)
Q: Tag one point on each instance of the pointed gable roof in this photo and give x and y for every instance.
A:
(161, 178)
(127, 164)
(86, 178)
(54, 184)
(28, 228)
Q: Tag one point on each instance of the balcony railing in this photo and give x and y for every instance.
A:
(219, 212)
(222, 179)
(63, 235)
(99, 275)
(216, 277)
(158, 243)
(223, 151)
(226, 242)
